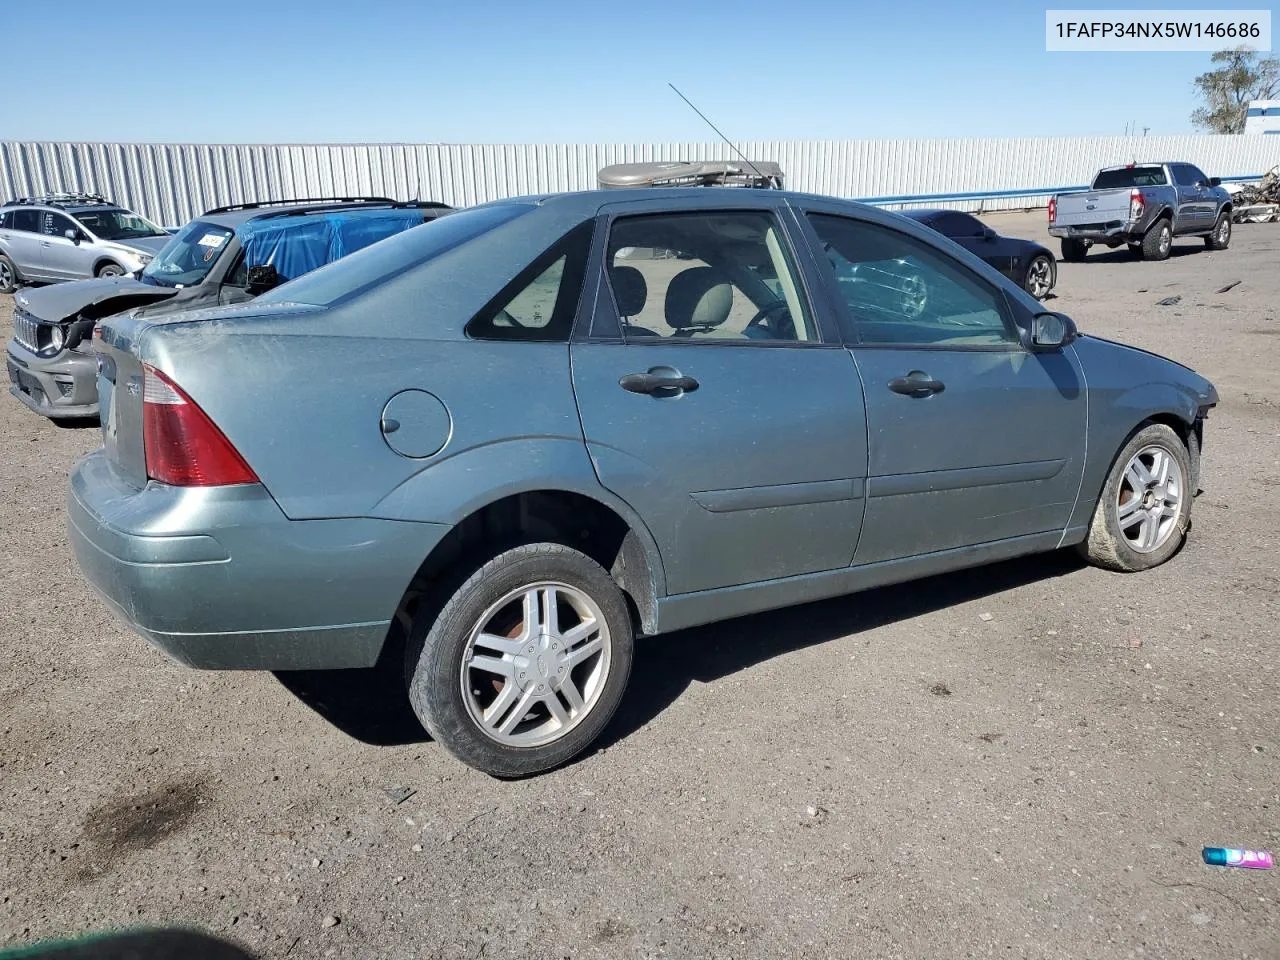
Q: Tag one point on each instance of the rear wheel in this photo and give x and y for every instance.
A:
(1038, 280)
(8, 275)
(1073, 251)
(110, 270)
(1158, 241)
(1144, 511)
(525, 663)
(1221, 236)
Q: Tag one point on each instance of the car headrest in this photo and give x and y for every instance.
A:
(629, 289)
(698, 298)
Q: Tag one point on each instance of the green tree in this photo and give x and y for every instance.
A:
(1242, 75)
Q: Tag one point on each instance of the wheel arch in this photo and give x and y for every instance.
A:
(105, 259)
(605, 531)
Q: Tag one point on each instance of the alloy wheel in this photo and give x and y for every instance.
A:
(535, 664)
(1150, 498)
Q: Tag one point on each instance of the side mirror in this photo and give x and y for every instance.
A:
(263, 278)
(1051, 331)
(72, 235)
(1215, 181)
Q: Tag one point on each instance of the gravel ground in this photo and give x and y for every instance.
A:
(1023, 760)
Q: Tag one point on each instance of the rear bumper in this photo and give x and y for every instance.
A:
(1114, 232)
(63, 387)
(219, 578)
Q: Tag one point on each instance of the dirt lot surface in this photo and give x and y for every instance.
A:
(1019, 761)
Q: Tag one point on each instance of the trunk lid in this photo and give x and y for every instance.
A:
(1092, 207)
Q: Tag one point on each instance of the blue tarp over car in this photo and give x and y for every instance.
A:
(297, 245)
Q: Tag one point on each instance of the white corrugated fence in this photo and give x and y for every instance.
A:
(171, 183)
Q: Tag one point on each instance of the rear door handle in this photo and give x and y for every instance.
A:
(916, 384)
(655, 384)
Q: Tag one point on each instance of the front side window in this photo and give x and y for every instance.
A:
(1182, 175)
(117, 225)
(55, 224)
(706, 276)
(902, 291)
(1197, 175)
(542, 301)
(187, 259)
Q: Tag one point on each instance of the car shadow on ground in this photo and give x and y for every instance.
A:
(666, 665)
(371, 706)
(78, 423)
(1121, 254)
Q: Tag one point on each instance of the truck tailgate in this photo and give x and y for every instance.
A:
(1104, 206)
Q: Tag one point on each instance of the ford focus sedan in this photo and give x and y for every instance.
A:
(501, 446)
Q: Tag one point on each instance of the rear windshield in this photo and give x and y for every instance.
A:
(375, 264)
(1130, 177)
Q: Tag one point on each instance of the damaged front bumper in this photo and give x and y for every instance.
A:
(61, 387)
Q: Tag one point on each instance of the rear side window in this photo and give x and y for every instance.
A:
(1130, 177)
(28, 220)
(6, 220)
(541, 302)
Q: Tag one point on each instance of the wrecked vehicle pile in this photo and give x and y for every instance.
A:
(1259, 202)
(227, 255)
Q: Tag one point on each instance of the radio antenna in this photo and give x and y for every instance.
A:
(732, 147)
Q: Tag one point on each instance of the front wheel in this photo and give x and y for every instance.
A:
(1038, 280)
(526, 662)
(1221, 236)
(1144, 511)
(110, 270)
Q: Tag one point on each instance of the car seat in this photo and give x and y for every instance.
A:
(630, 292)
(698, 301)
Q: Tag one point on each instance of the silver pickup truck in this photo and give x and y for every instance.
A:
(1144, 205)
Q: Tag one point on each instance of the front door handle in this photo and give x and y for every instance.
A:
(656, 384)
(916, 384)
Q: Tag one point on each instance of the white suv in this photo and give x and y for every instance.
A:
(72, 237)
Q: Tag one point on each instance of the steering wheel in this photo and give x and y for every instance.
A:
(764, 313)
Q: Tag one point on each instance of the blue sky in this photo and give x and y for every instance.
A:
(586, 70)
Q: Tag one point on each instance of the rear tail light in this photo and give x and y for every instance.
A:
(1053, 209)
(1137, 203)
(183, 446)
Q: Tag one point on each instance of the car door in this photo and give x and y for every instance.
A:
(25, 244)
(1187, 216)
(972, 438)
(1206, 204)
(64, 259)
(715, 397)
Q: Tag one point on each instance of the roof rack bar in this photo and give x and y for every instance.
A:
(324, 205)
(275, 203)
(59, 199)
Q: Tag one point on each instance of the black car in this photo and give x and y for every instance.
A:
(1026, 263)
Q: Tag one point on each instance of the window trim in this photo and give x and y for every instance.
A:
(823, 336)
(850, 324)
(576, 240)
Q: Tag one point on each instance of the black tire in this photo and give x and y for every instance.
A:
(10, 278)
(1157, 243)
(1220, 239)
(1074, 251)
(437, 646)
(1107, 544)
(109, 269)
(1041, 265)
